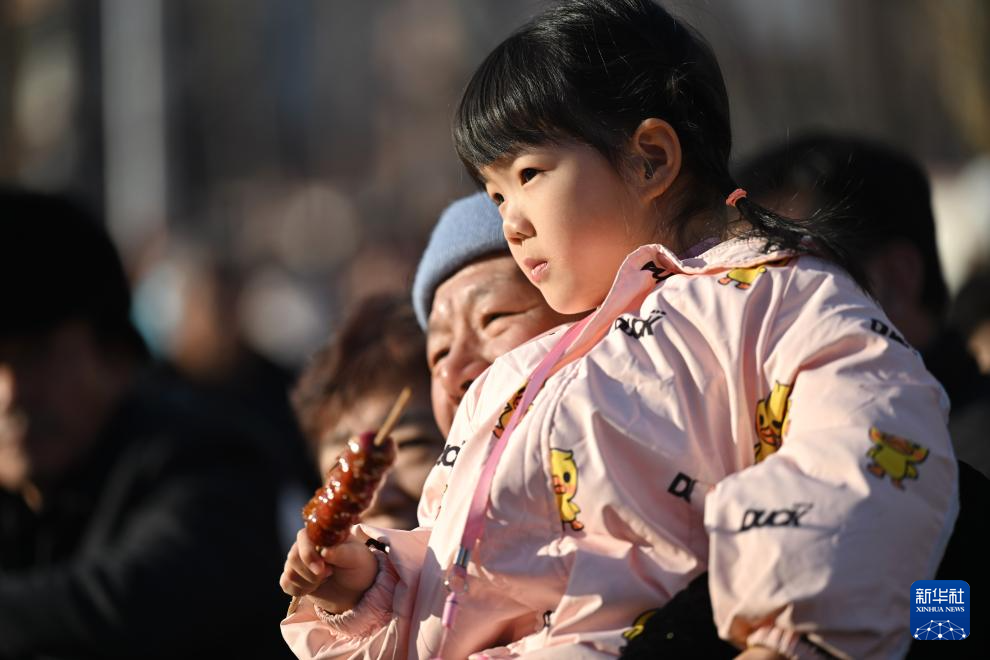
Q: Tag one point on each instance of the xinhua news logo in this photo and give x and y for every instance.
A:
(940, 610)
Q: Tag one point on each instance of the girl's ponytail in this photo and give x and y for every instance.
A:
(825, 234)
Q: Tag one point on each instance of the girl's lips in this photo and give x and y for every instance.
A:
(537, 268)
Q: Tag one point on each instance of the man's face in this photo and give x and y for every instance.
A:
(481, 312)
(53, 400)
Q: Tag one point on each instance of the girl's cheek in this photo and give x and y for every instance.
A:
(516, 257)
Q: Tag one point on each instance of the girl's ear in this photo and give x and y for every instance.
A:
(656, 146)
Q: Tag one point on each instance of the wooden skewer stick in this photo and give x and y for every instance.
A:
(383, 432)
(393, 416)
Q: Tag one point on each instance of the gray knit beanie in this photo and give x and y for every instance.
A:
(469, 228)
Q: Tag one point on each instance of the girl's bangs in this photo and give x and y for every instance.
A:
(515, 99)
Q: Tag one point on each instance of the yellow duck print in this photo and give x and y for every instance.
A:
(565, 482)
(639, 625)
(772, 421)
(894, 456)
(506, 414)
(744, 277)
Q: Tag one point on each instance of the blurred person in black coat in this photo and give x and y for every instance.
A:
(970, 314)
(970, 317)
(887, 195)
(136, 520)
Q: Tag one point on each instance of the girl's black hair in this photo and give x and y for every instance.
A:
(591, 71)
(879, 191)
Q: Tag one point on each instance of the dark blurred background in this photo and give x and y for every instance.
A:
(262, 163)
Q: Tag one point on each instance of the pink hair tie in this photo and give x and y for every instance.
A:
(734, 197)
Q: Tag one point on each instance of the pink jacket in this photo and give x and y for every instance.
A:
(752, 414)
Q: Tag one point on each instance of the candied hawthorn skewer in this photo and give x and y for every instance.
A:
(351, 484)
(349, 489)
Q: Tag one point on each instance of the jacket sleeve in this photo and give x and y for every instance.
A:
(378, 627)
(854, 490)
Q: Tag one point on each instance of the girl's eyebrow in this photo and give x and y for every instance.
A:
(503, 163)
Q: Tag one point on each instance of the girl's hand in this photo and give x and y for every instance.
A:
(335, 579)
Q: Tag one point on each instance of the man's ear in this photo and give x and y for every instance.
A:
(657, 149)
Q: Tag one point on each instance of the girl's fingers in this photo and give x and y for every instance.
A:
(294, 588)
(291, 583)
(349, 554)
(339, 555)
(310, 566)
(308, 552)
(289, 586)
(329, 555)
(296, 566)
(296, 583)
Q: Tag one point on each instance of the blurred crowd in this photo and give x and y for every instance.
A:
(196, 322)
(299, 150)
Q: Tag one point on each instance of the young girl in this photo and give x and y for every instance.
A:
(733, 402)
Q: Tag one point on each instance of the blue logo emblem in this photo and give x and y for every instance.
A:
(940, 609)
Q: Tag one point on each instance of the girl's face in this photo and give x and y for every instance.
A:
(570, 219)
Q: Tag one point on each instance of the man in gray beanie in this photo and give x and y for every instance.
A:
(473, 301)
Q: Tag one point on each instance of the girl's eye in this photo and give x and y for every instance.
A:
(498, 199)
(527, 174)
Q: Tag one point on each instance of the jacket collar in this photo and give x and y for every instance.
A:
(646, 266)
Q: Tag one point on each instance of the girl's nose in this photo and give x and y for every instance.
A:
(515, 226)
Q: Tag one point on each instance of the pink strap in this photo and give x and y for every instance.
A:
(457, 573)
(479, 503)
